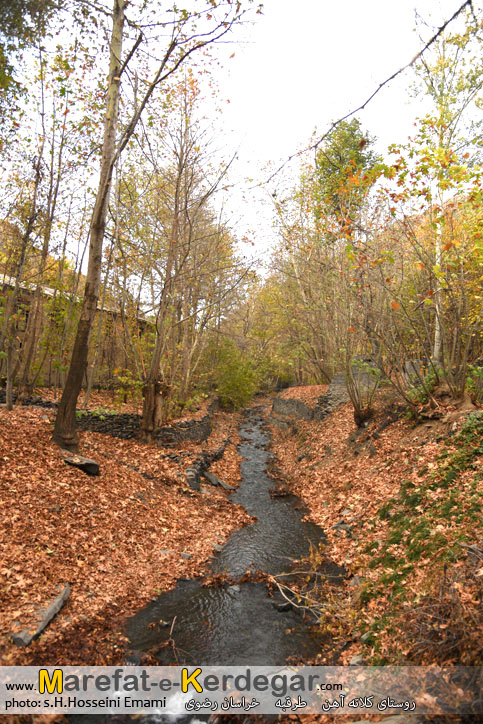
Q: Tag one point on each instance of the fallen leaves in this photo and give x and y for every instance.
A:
(117, 538)
(347, 477)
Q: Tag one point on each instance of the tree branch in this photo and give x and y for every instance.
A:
(315, 146)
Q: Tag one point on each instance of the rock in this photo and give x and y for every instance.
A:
(187, 430)
(291, 407)
(342, 526)
(26, 637)
(336, 395)
(164, 553)
(46, 418)
(214, 480)
(356, 661)
(233, 589)
(346, 512)
(217, 547)
(186, 556)
(193, 478)
(77, 461)
(226, 486)
(356, 581)
(134, 658)
(211, 478)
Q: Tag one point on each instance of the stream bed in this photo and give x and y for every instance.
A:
(234, 623)
(238, 624)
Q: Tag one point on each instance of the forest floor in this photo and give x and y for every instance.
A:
(401, 505)
(118, 539)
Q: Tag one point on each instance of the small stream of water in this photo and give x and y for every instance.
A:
(238, 624)
(234, 624)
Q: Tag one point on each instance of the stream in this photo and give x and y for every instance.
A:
(235, 624)
(239, 624)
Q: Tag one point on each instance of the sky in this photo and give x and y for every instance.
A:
(302, 65)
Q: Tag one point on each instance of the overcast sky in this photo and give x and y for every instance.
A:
(304, 64)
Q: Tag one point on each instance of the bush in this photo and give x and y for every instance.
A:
(235, 378)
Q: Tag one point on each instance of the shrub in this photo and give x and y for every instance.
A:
(235, 378)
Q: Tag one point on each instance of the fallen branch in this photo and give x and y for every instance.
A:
(26, 637)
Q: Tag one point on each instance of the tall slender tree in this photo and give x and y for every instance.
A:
(189, 33)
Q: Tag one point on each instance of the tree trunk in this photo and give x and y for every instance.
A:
(65, 433)
(153, 404)
(152, 409)
(438, 337)
(9, 390)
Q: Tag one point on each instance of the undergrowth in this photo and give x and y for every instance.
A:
(431, 524)
(420, 601)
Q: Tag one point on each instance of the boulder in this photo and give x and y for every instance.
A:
(85, 464)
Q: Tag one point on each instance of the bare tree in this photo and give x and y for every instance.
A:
(186, 38)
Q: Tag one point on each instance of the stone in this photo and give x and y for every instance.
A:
(78, 461)
(226, 486)
(356, 581)
(214, 480)
(233, 589)
(211, 478)
(291, 408)
(342, 526)
(26, 637)
(186, 556)
(193, 479)
(134, 658)
(356, 661)
(346, 512)
(218, 548)
(336, 395)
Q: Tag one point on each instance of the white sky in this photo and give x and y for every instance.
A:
(304, 64)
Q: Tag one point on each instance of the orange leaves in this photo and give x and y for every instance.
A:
(395, 305)
(103, 535)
